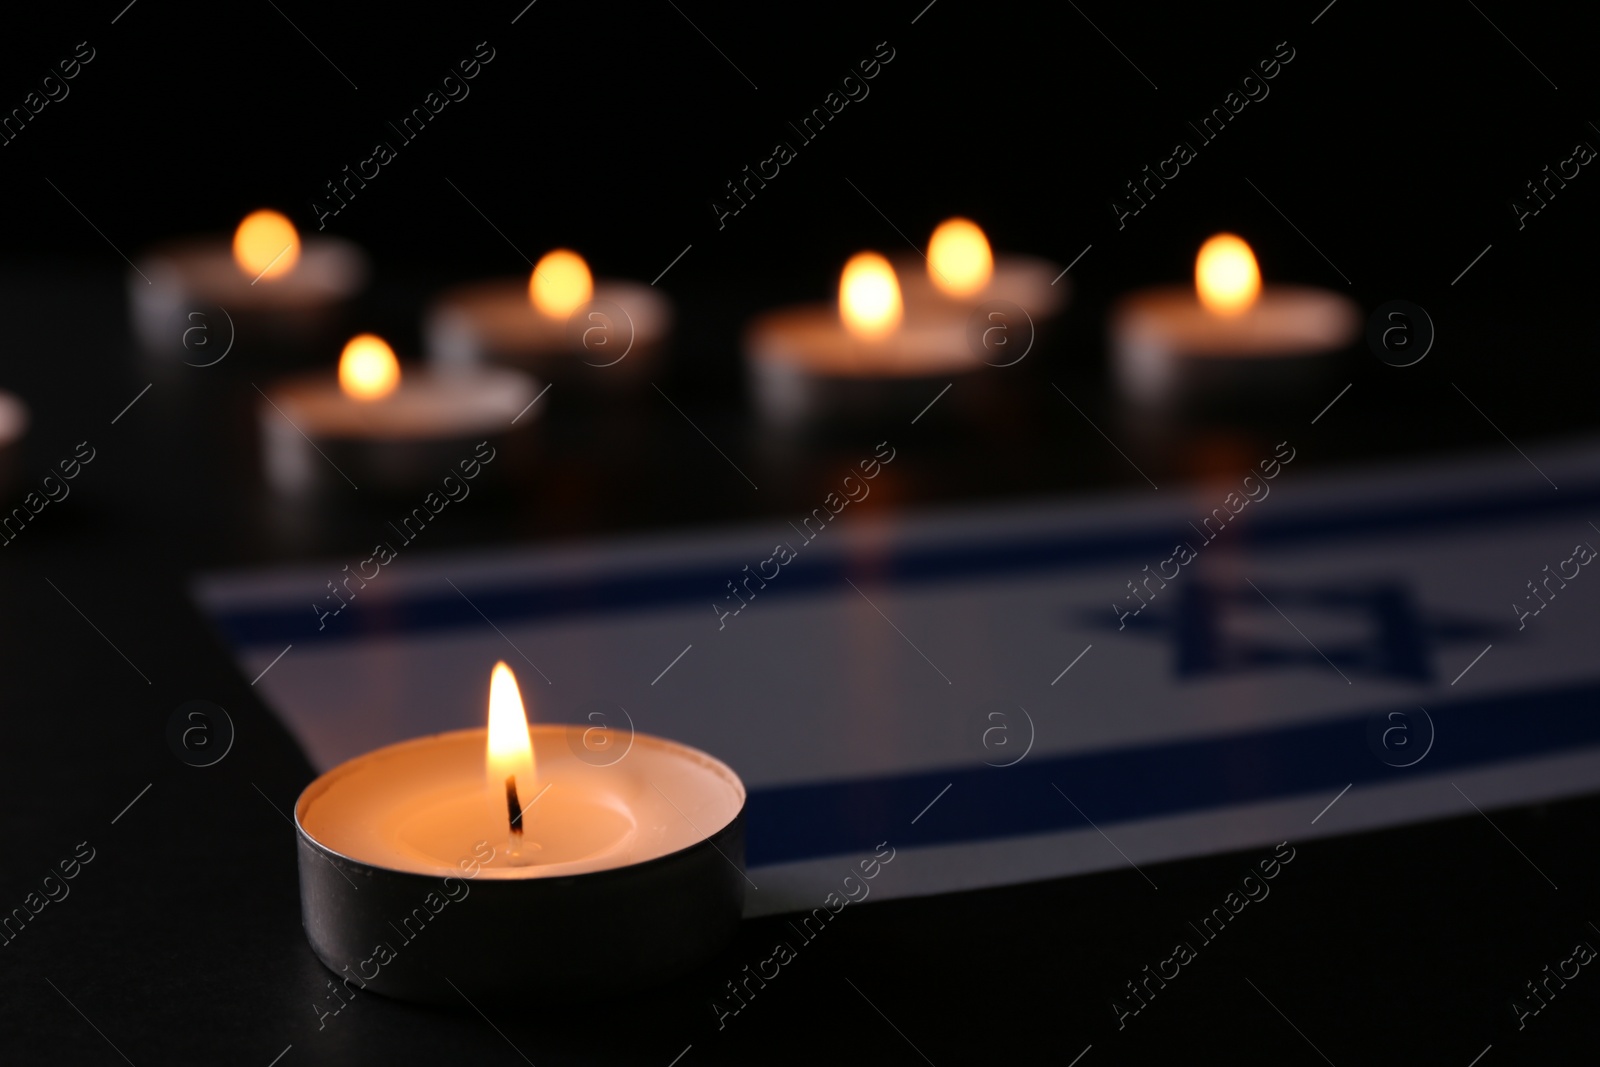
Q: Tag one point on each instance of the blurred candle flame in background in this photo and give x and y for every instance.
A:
(959, 260)
(1226, 276)
(266, 245)
(869, 296)
(560, 284)
(367, 368)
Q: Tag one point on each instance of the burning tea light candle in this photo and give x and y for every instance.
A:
(961, 268)
(559, 324)
(267, 282)
(870, 355)
(565, 876)
(370, 426)
(1228, 337)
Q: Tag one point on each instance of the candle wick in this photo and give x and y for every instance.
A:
(513, 806)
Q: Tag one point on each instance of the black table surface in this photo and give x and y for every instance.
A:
(1399, 149)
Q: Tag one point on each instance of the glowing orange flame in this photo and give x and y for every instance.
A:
(959, 260)
(560, 284)
(367, 368)
(1226, 276)
(510, 753)
(869, 296)
(265, 245)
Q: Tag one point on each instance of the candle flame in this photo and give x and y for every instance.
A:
(1226, 275)
(959, 260)
(266, 245)
(561, 284)
(869, 296)
(510, 753)
(367, 368)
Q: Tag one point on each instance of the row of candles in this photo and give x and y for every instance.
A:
(627, 870)
(897, 334)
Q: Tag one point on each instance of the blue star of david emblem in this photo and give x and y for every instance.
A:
(1398, 637)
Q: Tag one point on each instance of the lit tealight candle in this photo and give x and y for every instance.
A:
(611, 876)
(1228, 337)
(961, 268)
(369, 425)
(869, 356)
(268, 282)
(560, 323)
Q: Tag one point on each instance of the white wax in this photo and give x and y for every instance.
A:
(425, 405)
(1022, 280)
(1161, 334)
(424, 805)
(495, 320)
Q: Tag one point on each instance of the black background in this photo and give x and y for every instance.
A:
(1395, 141)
